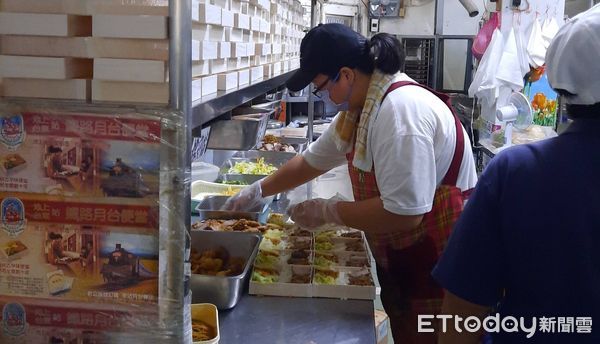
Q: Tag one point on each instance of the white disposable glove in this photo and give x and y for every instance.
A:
(315, 212)
(248, 198)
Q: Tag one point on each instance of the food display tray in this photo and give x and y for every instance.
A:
(346, 263)
(224, 292)
(210, 208)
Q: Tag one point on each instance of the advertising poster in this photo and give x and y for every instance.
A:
(544, 102)
(78, 224)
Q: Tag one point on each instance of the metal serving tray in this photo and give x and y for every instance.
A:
(210, 208)
(240, 133)
(299, 144)
(224, 292)
(250, 156)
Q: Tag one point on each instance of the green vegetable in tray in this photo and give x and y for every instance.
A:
(266, 260)
(325, 236)
(323, 261)
(324, 246)
(265, 276)
(326, 277)
(234, 182)
(259, 167)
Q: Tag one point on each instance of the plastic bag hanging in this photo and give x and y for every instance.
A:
(484, 36)
(536, 47)
(485, 85)
(549, 30)
(509, 69)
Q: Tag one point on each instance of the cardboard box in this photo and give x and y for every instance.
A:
(225, 4)
(75, 89)
(209, 50)
(196, 89)
(218, 66)
(276, 48)
(263, 49)
(200, 68)
(238, 49)
(205, 32)
(45, 46)
(45, 67)
(48, 6)
(204, 13)
(128, 48)
(241, 21)
(209, 85)
(33, 24)
(265, 26)
(250, 49)
(227, 18)
(234, 35)
(256, 73)
(130, 70)
(381, 327)
(255, 23)
(224, 50)
(244, 77)
(259, 37)
(195, 50)
(227, 81)
(130, 92)
(125, 26)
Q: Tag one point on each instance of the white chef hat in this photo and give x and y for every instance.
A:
(573, 58)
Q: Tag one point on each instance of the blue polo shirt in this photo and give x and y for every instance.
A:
(528, 241)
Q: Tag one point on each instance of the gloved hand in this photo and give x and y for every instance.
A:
(315, 212)
(248, 198)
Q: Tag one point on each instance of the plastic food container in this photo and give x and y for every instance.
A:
(208, 314)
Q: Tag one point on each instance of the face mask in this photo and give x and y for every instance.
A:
(343, 106)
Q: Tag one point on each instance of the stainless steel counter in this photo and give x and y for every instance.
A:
(282, 320)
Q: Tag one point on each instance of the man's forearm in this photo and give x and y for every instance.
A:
(295, 172)
(370, 215)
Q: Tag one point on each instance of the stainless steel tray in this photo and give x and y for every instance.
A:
(299, 144)
(240, 133)
(224, 292)
(245, 156)
(210, 208)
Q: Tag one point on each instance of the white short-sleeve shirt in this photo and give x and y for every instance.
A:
(412, 140)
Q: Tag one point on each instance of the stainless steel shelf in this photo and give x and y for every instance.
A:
(212, 106)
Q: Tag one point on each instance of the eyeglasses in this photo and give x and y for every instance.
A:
(317, 91)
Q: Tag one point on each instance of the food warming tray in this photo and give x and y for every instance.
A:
(210, 208)
(224, 292)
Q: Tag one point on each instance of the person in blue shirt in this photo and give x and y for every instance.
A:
(528, 242)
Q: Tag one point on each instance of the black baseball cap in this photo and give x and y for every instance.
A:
(325, 49)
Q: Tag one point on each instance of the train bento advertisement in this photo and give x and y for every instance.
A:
(78, 219)
(78, 251)
(79, 155)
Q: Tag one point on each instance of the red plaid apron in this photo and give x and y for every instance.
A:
(405, 259)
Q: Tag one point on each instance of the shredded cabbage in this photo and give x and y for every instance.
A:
(324, 279)
(323, 246)
(266, 260)
(259, 277)
(258, 167)
(322, 261)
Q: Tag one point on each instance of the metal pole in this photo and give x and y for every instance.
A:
(175, 184)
